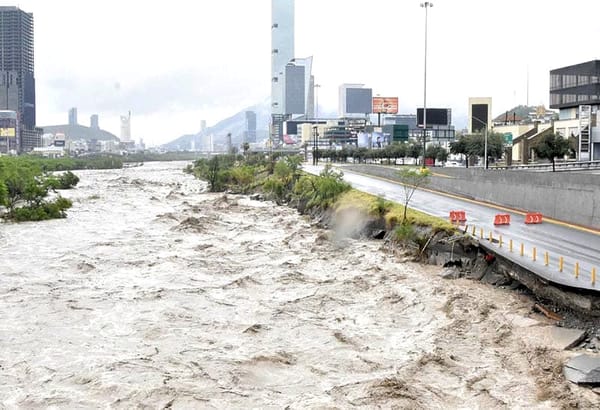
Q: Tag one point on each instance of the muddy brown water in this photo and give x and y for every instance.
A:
(154, 293)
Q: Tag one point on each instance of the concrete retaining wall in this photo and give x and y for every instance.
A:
(566, 196)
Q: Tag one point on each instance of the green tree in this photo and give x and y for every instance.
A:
(551, 146)
(322, 191)
(24, 188)
(495, 145)
(437, 152)
(414, 150)
(460, 147)
(66, 180)
(473, 145)
(411, 180)
(3, 194)
(214, 171)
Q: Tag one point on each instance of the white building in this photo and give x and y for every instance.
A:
(126, 127)
(282, 49)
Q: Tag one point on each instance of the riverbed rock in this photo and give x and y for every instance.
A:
(583, 369)
(553, 337)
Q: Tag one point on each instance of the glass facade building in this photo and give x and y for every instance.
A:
(575, 85)
(17, 81)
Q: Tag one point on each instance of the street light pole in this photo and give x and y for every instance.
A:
(315, 146)
(485, 141)
(425, 5)
(485, 156)
(317, 86)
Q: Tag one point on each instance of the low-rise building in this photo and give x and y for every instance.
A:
(575, 91)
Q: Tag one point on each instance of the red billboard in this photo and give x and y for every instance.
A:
(385, 105)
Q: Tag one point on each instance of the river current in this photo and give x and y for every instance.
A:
(154, 293)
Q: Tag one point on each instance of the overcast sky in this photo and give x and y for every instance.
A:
(174, 63)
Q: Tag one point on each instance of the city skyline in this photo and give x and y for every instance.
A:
(175, 66)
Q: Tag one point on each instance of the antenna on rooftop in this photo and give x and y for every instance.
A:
(527, 85)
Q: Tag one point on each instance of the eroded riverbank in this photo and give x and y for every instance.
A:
(154, 293)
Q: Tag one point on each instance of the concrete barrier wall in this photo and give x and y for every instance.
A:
(567, 196)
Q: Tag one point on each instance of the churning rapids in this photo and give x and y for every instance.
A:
(154, 293)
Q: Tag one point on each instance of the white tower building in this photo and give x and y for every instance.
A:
(126, 127)
(282, 49)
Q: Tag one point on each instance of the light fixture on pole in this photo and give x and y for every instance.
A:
(316, 87)
(425, 5)
(315, 144)
(316, 125)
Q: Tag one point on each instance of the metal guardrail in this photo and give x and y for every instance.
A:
(560, 166)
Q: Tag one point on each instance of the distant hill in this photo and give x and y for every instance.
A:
(75, 132)
(522, 113)
(235, 124)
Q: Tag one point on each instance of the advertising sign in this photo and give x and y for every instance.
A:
(359, 100)
(435, 116)
(8, 132)
(8, 124)
(385, 105)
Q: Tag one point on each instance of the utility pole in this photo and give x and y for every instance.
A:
(315, 146)
(425, 5)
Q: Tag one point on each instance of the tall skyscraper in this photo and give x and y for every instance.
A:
(17, 88)
(126, 127)
(480, 114)
(282, 48)
(94, 122)
(282, 52)
(73, 116)
(250, 131)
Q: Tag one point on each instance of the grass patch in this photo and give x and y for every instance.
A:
(392, 211)
(418, 218)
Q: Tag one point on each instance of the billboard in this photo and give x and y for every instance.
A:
(398, 132)
(359, 100)
(385, 105)
(8, 124)
(293, 90)
(435, 116)
(480, 118)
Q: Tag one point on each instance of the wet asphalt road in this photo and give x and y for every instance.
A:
(578, 247)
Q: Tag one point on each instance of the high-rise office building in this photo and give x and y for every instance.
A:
(126, 128)
(480, 114)
(17, 81)
(73, 116)
(282, 52)
(282, 48)
(94, 122)
(250, 131)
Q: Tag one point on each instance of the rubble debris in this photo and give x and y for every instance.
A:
(583, 369)
(548, 313)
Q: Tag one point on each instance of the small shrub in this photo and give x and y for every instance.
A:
(275, 189)
(380, 206)
(64, 181)
(405, 233)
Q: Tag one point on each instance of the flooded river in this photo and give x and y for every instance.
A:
(154, 293)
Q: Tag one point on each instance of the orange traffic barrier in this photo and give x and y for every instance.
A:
(458, 216)
(502, 219)
(533, 218)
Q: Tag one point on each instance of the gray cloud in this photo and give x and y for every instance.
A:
(177, 91)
